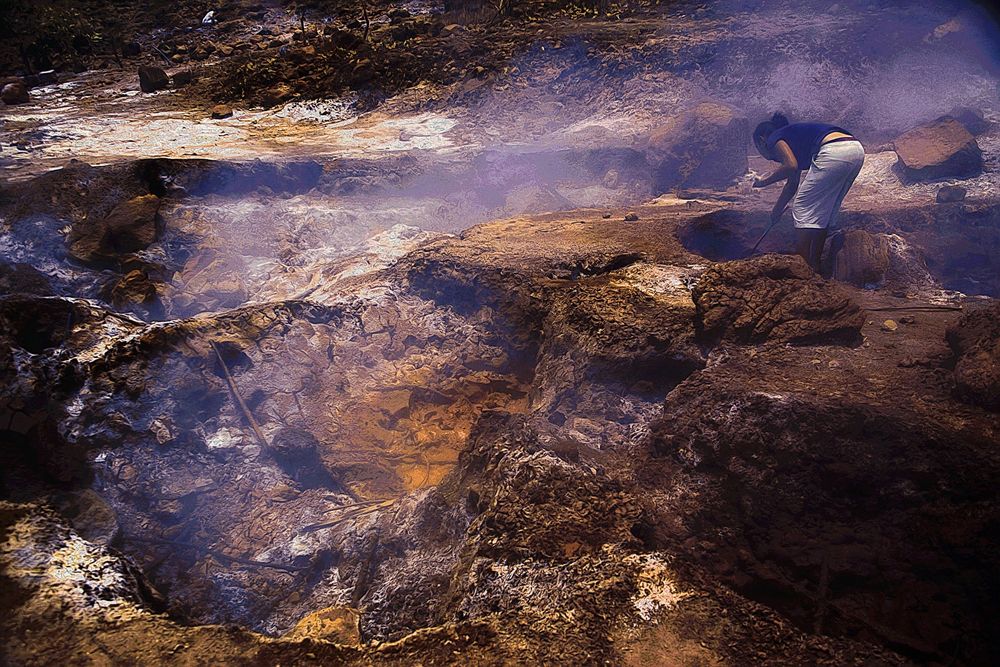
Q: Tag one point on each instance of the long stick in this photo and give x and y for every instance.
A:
(163, 55)
(928, 308)
(365, 575)
(346, 517)
(769, 227)
(239, 400)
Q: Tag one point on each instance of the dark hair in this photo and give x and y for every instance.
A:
(764, 130)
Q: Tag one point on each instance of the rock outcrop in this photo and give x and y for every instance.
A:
(943, 148)
(130, 226)
(975, 340)
(558, 438)
(773, 298)
(809, 471)
(705, 148)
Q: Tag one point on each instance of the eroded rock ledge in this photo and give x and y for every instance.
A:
(557, 438)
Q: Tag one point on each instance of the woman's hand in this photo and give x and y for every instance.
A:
(789, 169)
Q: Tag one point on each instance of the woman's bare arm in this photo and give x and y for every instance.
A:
(789, 166)
(787, 192)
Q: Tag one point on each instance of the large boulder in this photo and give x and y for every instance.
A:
(773, 298)
(152, 79)
(975, 340)
(129, 227)
(15, 93)
(705, 148)
(943, 148)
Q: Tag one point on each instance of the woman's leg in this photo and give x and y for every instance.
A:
(809, 244)
(820, 194)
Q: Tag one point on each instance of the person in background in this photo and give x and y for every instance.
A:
(831, 158)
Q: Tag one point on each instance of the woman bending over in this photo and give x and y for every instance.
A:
(831, 158)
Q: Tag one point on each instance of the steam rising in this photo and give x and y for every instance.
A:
(563, 128)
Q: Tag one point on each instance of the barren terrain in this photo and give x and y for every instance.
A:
(478, 365)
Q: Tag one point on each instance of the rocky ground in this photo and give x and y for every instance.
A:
(302, 409)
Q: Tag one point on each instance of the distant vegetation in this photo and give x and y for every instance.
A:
(64, 34)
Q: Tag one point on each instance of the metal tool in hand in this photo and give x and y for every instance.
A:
(769, 227)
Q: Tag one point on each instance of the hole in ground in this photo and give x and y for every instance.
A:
(960, 245)
(37, 325)
(726, 235)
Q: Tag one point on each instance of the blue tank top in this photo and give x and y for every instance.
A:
(803, 138)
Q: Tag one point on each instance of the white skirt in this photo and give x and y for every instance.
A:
(822, 189)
